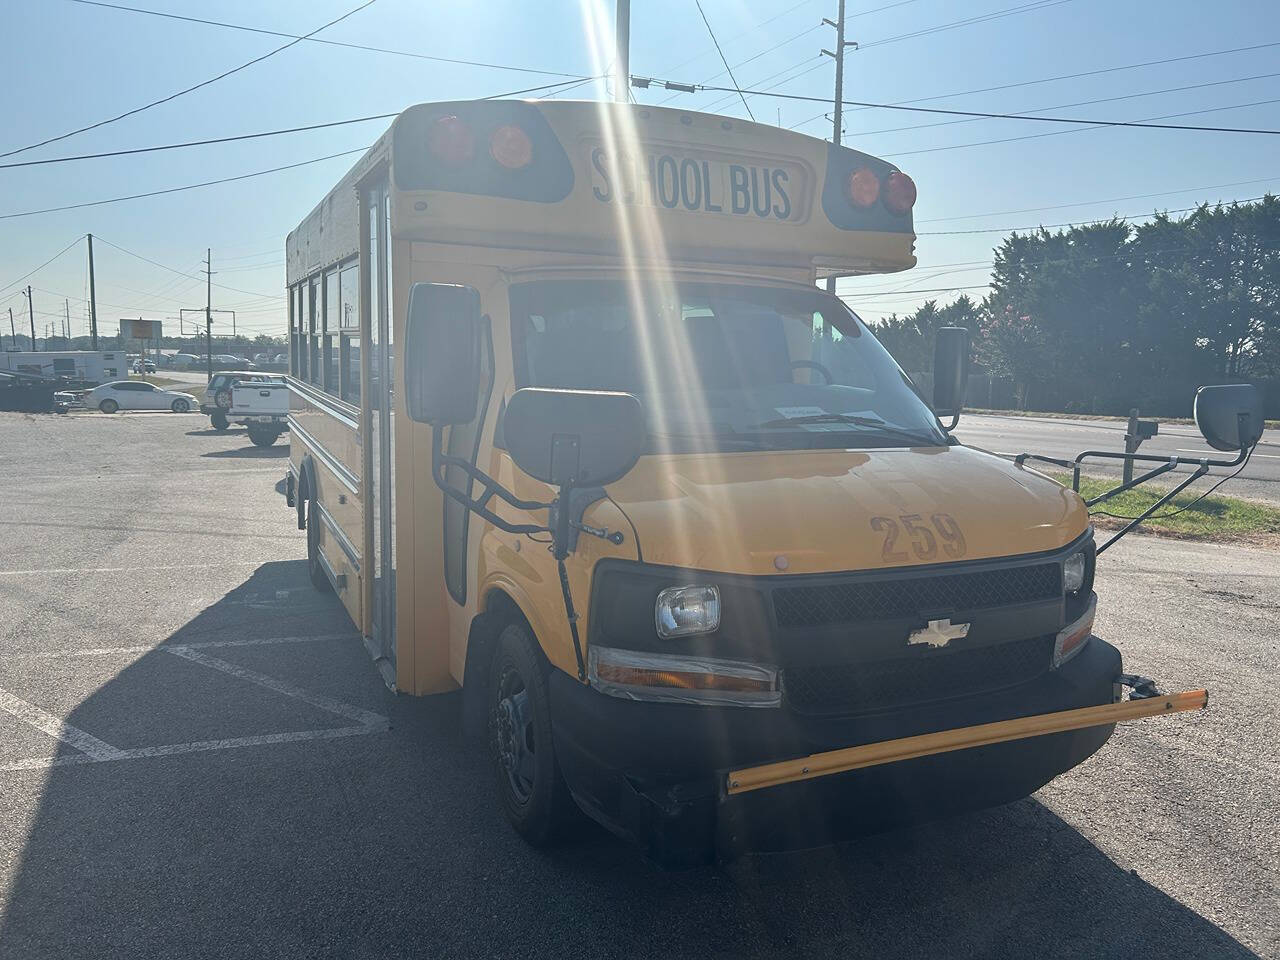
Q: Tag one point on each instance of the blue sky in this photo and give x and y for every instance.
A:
(71, 64)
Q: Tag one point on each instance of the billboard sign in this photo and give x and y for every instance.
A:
(140, 329)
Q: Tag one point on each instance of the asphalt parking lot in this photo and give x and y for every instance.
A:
(197, 758)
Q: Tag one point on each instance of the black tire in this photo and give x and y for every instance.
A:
(109, 406)
(219, 421)
(180, 406)
(531, 789)
(262, 438)
(319, 579)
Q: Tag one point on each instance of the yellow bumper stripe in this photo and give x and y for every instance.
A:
(961, 738)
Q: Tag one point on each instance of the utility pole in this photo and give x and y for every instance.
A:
(13, 335)
(208, 311)
(838, 116)
(93, 300)
(31, 315)
(66, 321)
(622, 53)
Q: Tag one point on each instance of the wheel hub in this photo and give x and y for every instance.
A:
(513, 742)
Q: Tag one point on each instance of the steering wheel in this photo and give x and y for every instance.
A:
(814, 365)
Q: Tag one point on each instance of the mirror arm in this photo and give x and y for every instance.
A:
(1199, 472)
(480, 506)
(1150, 474)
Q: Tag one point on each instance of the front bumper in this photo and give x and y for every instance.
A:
(654, 773)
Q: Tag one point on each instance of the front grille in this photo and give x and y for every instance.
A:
(861, 600)
(829, 689)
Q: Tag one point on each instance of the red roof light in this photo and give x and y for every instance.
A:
(863, 188)
(451, 141)
(511, 147)
(899, 193)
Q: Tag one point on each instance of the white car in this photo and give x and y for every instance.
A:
(137, 395)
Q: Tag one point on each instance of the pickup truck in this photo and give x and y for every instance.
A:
(263, 407)
(217, 396)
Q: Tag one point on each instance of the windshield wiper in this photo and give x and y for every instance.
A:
(854, 420)
(719, 437)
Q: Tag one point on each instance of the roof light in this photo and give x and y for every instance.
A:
(899, 193)
(511, 147)
(451, 141)
(863, 188)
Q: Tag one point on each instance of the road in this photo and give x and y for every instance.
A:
(1065, 439)
(197, 758)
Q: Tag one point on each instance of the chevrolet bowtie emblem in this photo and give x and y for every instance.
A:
(938, 633)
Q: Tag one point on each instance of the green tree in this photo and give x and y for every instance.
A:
(910, 339)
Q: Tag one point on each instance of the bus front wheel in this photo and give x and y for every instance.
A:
(531, 789)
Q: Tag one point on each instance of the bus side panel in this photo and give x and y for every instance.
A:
(320, 433)
(422, 621)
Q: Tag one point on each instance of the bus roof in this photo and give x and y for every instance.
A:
(634, 182)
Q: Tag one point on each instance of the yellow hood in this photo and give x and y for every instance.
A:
(814, 511)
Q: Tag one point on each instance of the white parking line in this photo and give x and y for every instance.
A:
(90, 746)
(109, 475)
(201, 645)
(279, 686)
(93, 750)
(197, 746)
(172, 566)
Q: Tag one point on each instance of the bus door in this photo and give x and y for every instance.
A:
(381, 468)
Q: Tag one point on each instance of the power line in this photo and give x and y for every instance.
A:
(983, 114)
(156, 263)
(728, 68)
(754, 57)
(198, 143)
(1085, 103)
(1085, 203)
(243, 176)
(939, 28)
(1059, 133)
(1066, 76)
(31, 273)
(749, 30)
(872, 293)
(967, 21)
(332, 43)
(180, 93)
(189, 186)
(386, 116)
(1075, 223)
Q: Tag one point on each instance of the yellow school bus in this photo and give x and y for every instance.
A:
(574, 430)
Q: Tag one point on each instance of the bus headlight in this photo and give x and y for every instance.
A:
(635, 675)
(685, 611)
(1073, 570)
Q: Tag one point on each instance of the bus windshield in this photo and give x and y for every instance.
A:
(721, 366)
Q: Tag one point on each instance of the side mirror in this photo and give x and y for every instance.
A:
(950, 371)
(442, 353)
(1230, 416)
(574, 438)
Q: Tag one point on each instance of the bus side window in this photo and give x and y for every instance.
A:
(315, 373)
(349, 350)
(332, 311)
